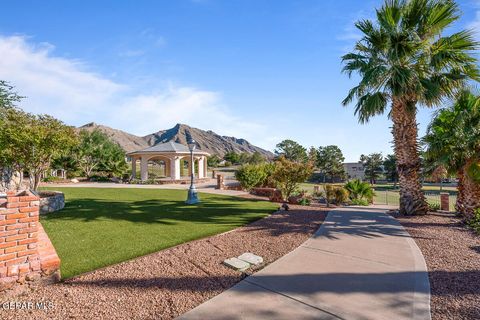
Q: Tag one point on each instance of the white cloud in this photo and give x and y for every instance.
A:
(475, 24)
(68, 90)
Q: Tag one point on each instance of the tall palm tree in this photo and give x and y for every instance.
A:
(453, 141)
(404, 61)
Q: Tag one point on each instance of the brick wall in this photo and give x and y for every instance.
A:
(21, 237)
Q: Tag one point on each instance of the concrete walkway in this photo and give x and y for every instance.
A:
(361, 264)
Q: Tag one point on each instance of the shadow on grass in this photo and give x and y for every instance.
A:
(213, 209)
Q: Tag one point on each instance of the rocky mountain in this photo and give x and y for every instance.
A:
(206, 140)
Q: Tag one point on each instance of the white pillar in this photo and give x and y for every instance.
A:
(134, 168)
(175, 168)
(205, 164)
(144, 168)
(201, 167)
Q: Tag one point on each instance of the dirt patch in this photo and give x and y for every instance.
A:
(169, 283)
(452, 254)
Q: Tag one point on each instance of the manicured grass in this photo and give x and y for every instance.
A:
(100, 227)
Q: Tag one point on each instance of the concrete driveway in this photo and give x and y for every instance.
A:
(361, 264)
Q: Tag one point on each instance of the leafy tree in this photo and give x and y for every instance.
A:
(313, 155)
(8, 97)
(453, 141)
(213, 161)
(403, 59)
(256, 158)
(359, 190)
(390, 168)
(243, 158)
(330, 162)
(113, 161)
(289, 174)
(232, 157)
(8, 165)
(96, 153)
(47, 139)
(291, 150)
(30, 142)
(372, 165)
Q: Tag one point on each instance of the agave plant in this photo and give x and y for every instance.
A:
(404, 60)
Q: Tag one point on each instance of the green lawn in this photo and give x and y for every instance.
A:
(100, 227)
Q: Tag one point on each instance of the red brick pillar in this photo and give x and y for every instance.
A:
(220, 183)
(445, 201)
(20, 259)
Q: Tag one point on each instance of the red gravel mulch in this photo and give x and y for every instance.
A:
(452, 254)
(169, 283)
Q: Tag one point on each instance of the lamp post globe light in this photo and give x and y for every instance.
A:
(192, 191)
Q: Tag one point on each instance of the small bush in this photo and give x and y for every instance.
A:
(335, 194)
(305, 202)
(52, 179)
(474, 223)
(359, 190)
(359, 202)
(251, 176)
(99, 178)
(433, 207)
(341, 195)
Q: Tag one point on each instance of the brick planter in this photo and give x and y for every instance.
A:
(26, 253)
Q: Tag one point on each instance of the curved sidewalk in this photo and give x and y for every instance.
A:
(361, 264)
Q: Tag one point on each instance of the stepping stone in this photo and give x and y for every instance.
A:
(251, 258)
(236, 264)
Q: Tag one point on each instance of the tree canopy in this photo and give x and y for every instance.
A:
(372, 166)
(291, 150)
(404, 60)
(330, 162)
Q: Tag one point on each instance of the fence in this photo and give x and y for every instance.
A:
(393, 198)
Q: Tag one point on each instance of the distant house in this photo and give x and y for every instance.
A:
(354, 170)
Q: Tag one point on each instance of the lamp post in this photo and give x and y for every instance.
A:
(192, 191)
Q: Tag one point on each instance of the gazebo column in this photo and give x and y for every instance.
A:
(205, 166)
(134, 168)
(175, 168)
(201, 167)
(144, 168)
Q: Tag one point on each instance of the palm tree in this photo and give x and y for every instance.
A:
(359, 190)
(453, 141)
(403, 60)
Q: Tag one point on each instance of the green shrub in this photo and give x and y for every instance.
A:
(341, 195)
(474, 223)
(359, 190)
(52, 179)
(251, 176)
(359, 202)
(335, 194)
(433, 207)
(304, 202)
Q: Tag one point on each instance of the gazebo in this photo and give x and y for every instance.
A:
(169, 155)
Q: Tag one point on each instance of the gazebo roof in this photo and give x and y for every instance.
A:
(168, 147)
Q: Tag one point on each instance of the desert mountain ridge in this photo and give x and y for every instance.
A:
(208, 141)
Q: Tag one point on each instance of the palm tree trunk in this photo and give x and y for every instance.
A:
(471, 195)
(412, 199)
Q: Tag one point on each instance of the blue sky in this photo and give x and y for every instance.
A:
(260, 70)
